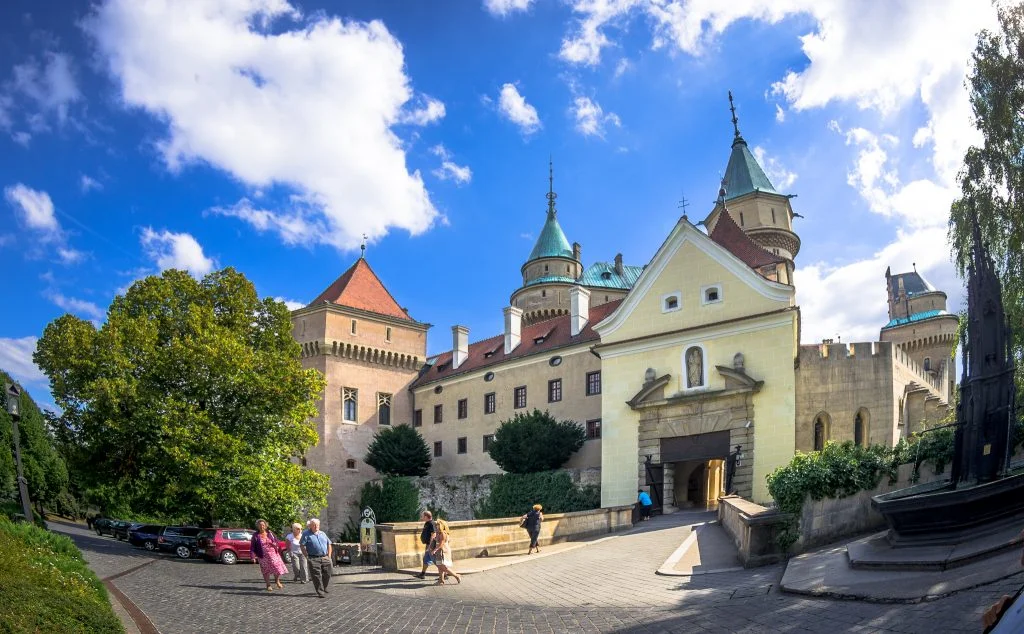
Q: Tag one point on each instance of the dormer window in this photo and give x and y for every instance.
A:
(711, 294)
(671, 302)
(606, 275)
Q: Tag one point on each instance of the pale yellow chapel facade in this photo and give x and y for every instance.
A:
(686, 372)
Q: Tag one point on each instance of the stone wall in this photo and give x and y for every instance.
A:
(754, 530)
(458, 496)
(401, 547)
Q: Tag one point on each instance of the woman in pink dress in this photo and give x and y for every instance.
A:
(264, 549)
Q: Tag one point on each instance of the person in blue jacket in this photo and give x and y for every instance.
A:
(644, 498)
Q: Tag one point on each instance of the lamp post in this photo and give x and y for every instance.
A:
(14, 409)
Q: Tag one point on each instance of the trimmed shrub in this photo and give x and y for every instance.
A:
(535, 442)
(399, 451)
(45, 585)
(393, 499)
(512, 494)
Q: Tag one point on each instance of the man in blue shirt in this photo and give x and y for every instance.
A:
(318, 550)
(644, 498)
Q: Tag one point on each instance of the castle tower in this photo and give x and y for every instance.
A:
(920, 324)
(551, 270)
(763, 213)
(370, 351)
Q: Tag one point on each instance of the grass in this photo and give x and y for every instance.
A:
(45, 585)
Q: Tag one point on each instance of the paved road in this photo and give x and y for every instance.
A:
(609, 586)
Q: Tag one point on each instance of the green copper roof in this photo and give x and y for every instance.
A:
(603, 275)
(916, 317)
(743, 175)
(552, 242)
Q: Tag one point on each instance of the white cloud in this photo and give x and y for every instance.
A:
(293, 227)
(513, 106)
(16, 359)
(776, 172)
(591, 119)
(290, 303)
(450, 170)
(304, 102)
(35, 208)
(502, 8)
(87, 183)
(622, 67)
(70, 256)
(780, 114)
(78, 306)
(176, 251)
(585, 44)
(526, 236)
(43, 89)
(432, 110)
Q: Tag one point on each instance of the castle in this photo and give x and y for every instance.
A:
(687, 373)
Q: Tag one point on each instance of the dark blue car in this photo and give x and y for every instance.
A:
(145, 535)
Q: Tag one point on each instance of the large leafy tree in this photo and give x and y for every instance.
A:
(189, 402)
(992, 179)
(42, 464)
(399, 451)
(534, 442)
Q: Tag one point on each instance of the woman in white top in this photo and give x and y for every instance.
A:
(299, 568)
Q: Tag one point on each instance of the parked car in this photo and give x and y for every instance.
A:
(121, 528)
(104, 526)
(228, 545)
(180, 540)
(145, 536)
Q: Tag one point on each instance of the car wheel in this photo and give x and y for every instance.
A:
(183, 551)
(149, 545)
(228, 557)
(286, 557)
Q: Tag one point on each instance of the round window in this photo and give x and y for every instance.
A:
(489, 376)
(555, 361)
(438, 389)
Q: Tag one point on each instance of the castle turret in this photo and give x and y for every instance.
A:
(762, 212)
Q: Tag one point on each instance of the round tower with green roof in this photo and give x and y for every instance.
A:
(551, 270)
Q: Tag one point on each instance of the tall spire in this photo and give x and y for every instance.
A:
(735, 121)
(551, 195)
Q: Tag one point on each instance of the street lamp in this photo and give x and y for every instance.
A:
(14, 409)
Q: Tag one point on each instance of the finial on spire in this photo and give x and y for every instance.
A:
(735, 121)
(683, 204)
(551, 195)
(362, 248)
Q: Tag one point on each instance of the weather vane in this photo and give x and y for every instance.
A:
(551, 195)
(362, 248)
(683, 204)
(735, 121)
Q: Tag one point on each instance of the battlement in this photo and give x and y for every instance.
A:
(818, 356)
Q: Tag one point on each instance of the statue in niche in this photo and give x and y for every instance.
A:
(694, 367)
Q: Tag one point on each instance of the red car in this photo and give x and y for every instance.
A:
(228, 545)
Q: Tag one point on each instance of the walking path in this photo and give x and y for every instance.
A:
(608, 585)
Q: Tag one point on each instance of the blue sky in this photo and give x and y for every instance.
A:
(138, 135)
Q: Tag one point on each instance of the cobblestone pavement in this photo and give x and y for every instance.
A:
(608, 586)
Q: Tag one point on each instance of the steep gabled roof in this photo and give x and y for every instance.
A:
(537, 338)
(552, 241)
(359, 287)
(728, 234)
(743, 174)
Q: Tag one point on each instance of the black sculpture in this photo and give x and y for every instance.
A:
(984, 491)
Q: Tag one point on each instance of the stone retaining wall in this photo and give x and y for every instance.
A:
(754, 530)
(401, 547)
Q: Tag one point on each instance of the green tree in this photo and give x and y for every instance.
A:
(992, 179)
(43, 465)
(393, 499)
(529, 443)
(399, 451)
(189, 402)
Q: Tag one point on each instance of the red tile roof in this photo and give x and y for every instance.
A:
(728, 234)
(555, 332)
(359, 287)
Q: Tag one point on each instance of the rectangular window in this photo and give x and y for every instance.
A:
(417, 418)
(554, 390)
(594, 429)
(383, 408)
(489, 403)
(437, 448)
(462, 445)
(438, 413)
(463, 407)
(488, 439)
(353, 326)
(519, 400)
(593, 383)
(350, 399)
(387, 334)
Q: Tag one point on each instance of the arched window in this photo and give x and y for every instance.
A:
(821, 431)
(927, 364)
(694, 367)
(383, 408)
(861, 427)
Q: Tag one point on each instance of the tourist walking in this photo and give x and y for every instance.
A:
(531, 522)
(644, 498)
(300, 571)
(427, 539)
(443, 553)
(318, 550)
(264, 549)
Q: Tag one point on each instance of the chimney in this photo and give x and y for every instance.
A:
(579, 309)
(460, 346)
(513, 327)
(576, 248)
(618, 264)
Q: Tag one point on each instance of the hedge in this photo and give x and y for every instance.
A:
(513, 494)
(45, 585)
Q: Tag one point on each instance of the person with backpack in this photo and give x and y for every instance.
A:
(531, 522)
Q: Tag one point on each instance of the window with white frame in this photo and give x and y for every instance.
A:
(711, 294)
(671, 302)
(350, 399)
